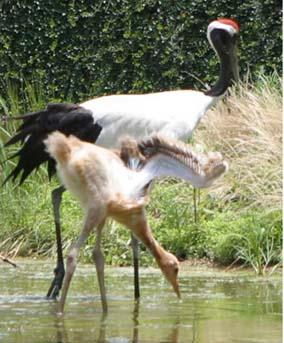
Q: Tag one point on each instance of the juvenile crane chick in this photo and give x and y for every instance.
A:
(116, 185)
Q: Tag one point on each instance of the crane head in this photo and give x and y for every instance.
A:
(169, 265)
(222, 35)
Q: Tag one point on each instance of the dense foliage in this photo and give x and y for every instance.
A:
(85, 48)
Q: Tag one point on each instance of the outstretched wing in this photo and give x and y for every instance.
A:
(167, 157)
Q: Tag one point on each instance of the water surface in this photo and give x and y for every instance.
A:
(216, 307)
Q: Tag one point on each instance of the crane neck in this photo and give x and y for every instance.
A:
(225, 47)
(225, 79)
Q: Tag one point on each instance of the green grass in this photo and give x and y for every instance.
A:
(239, 219)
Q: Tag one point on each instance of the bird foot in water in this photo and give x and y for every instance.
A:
(56, 283)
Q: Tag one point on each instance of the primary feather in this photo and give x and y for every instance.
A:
(168, 157)
(66, 118)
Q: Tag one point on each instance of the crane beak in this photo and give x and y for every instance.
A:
(176, 289)
(173, 280)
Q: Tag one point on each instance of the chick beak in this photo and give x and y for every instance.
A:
(176, 288)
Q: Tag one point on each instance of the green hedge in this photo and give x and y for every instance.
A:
(85, 48)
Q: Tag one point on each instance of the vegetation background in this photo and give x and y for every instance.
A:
(79, 49)
(73, 50)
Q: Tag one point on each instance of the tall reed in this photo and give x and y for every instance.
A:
(247, 128)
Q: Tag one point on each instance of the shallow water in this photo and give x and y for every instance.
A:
(216, 307)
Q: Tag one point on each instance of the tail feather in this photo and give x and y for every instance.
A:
(31, 156)
(22, 133)
(66, 118)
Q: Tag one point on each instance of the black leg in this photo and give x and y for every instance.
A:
(195, 204)
(135, 250)
(59, 270)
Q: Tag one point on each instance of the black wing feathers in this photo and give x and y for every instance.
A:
(66, 118)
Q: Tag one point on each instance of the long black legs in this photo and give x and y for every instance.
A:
(59, 270)
(135, 250)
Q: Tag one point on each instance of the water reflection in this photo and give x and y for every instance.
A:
(174, 335)
(135, 335)
(102, 337)
(218, 308)
(61, 332)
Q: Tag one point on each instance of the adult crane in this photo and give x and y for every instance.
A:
(106, 119)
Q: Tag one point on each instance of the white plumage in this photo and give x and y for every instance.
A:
(171, 113)
(174, 114)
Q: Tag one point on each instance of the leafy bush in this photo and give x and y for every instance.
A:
(78, 49)
(254, 238)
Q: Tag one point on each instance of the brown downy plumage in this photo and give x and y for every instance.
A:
(113, 185)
